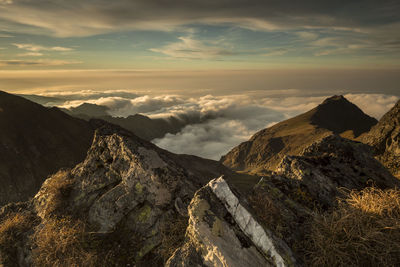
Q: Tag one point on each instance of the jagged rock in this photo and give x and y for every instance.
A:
(126, 185)
(125, 179)
(385, 139)
(265, 149)
(222, 232)
(334, 162)
(314, 180)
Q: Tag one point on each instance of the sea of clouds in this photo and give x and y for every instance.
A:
(214, 124)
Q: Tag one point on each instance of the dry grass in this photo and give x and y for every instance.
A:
(61, 242)
(172, 236)
(12, 230)
(68, 242)
(56, 190)
(364, 230)
(266, 210)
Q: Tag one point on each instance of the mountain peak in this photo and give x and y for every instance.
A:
(338, 115)
(335, 98)
(266, 148)
(88, 109)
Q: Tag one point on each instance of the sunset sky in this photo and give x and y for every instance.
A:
(246, 63)
(150, 44)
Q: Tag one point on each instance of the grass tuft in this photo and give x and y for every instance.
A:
(61, 242)
(364, 230)
(12, 230)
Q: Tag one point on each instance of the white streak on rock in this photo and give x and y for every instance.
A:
(245, 220)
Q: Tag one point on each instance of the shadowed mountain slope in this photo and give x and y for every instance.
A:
(267, 147)
(35, 142)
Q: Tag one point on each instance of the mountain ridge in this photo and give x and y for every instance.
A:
(143, 126)
(35, 142)
(266, 148)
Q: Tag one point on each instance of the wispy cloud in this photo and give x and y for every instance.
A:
(339, 45)
(276, 52)
(6, 2)
(31, 54)
(36, 48)
(307, 35)
(3, 35)
(189, 48)
(41, 62)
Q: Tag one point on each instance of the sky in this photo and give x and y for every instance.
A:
(246, 64)
(163, 45)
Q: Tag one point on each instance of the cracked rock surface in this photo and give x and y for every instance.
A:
(385, 139)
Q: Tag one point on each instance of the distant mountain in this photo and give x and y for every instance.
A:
(142, 126)
(265, 149)
(35, 142)
(385, 138)
(148, 128)
(87, 110)
(42, 100)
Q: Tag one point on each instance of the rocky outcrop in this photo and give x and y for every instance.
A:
(385, 139)
(265, 150)
(333, 163)
(286, 200)
(268, 226)
(126, 186)
(125, 180)
(35, 142)
(222, 232)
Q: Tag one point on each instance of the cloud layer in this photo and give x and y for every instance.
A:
(215, 124)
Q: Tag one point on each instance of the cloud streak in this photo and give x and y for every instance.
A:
(190, 48)
(41, 62)
(37, 48)
(31, 54)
